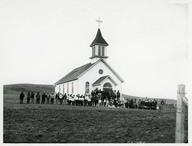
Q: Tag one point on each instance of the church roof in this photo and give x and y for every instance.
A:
(99, 40)
(101, 79)
(79, 71)
(73, 75)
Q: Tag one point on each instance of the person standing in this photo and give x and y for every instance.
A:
(65, 98)
(105, 101)
(28, 97)
(43, 98)
(61, 98)
(52, 98)
(99, 98)
(73, 99)
(32, 97)
(48, 98)
(57, 98)
(107, 95)
(37, 98)
(76, 99)
(89, 100)
(110, 95)
(85, 101)
(21, 97)
(118, 95)
(96, 99)
(92, 98)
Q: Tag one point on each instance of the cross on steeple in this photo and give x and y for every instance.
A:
(99, 21)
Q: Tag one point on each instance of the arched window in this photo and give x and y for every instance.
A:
(72, 88)
(93, 51)
(103, 51)
(63, 89)
(67, 88)
(87, 87)
(59, 88)
(99, 53)
(107, 86)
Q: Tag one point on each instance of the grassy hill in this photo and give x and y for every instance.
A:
(46, 123)
(12, 88)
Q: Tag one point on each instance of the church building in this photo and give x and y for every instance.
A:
(95, 74)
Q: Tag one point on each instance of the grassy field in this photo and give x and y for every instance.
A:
(78, 124)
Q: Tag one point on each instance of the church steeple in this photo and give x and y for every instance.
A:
(99, 47)
(99, 40)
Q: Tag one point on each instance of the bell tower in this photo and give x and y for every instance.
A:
(99, 46)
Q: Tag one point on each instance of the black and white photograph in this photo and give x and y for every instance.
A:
(94, 71)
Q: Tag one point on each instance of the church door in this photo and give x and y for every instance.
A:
(107, 86)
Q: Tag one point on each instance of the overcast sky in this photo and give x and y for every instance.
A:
(42, 40)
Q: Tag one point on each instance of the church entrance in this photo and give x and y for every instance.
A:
(107, 86)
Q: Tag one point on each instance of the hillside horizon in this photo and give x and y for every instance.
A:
(25, 87)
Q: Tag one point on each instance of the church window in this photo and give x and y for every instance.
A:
(99, 53)
(93, 51)
(100, 71)
(72, 88)
(67, 88)
(59, 88)
(63, 89)
(87, 87)
(103, 53)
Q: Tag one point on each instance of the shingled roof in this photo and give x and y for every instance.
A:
(99, 40)
(73, 75)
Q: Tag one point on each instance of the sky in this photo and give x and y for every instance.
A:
(42, 40)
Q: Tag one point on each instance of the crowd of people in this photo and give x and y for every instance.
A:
(144, 103)
(32, 98)
(96, 98)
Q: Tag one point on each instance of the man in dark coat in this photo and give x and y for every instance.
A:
(118, 95)
(65, 98)
(43, 98)
(93, 98)
(48, 98)
(21, 97)
(28, 97)
(57, 98)
(37, 98)
(131, 103)
(32, 97)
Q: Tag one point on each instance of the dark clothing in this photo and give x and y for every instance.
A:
(32, 97)
(113, 95)
(28, 97)
(48, 98)
(43, 98)
(115, 103)
(37, 99)
(21, 97)
(52, 100)
(131, 103)
(61, 100)
(96, 100)
(118, 95)
(57, 98)
(65, 98)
